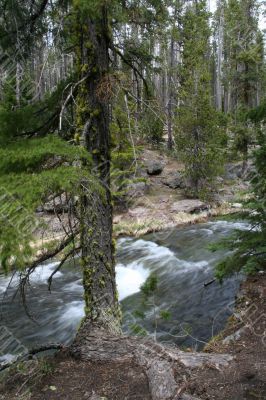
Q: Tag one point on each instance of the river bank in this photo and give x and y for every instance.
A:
(157, 202)
(243, 378)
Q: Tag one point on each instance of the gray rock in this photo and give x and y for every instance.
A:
(59, 204)
(137, 189)
(189, 206)
(175, 181)
(154, 168)
(236, 171)
(234, 337)
(237, 205)
(219, 180)
(233, 171)
(249, 172)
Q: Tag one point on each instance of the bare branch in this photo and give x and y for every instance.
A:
(66, 257)
(68, 99)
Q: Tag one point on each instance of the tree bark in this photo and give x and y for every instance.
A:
(92, 124)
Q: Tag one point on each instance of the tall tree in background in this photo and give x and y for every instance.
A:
(173, 66)
(219, 54)
(198, 135)
(242, 65)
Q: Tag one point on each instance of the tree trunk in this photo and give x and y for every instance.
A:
(92, 124)
(220, 44)
(18, 82)
(171, 97)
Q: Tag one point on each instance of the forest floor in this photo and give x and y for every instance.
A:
(65, 378)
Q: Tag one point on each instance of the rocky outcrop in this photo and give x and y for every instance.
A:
(58, 205)
(175, 181)
(154, 168)
(189, 206)
(138, 189)
(235, 171)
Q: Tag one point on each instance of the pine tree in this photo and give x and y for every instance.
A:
(199, 135)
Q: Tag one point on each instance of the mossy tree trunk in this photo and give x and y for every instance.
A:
(92, 121)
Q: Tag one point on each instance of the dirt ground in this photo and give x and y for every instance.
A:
(244, 338)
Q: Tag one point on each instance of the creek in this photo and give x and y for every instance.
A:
(182, 262)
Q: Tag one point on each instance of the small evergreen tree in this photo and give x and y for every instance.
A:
(249, 247)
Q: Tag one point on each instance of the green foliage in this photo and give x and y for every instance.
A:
(30, 155)
(200, 129)
(30, 171)
(19, 21)
(244, 69)
(165, 315)
(137, 330)
(123, 164)
(249, 247)
(149, 291)
(258, 114)
(150, 286)
(30, 117)
(90, 8)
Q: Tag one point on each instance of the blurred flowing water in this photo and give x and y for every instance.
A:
(182, 262)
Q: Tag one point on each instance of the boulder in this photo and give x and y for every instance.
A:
(236, 171)
(137, 189)
(237, 205)
(189, 206)
(175, 181)
(219, 180)
(154, 168)
(233, 171)
(59, 204)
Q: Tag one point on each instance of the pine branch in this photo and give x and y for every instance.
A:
(131, 65)
(25, 278)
